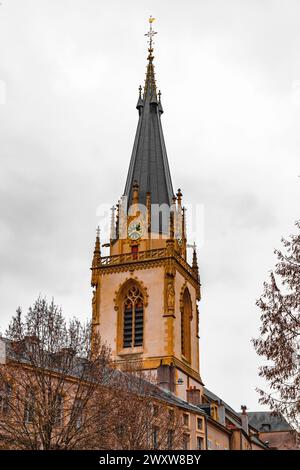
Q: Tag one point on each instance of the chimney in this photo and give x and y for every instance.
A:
(193, 395)
(244, 418)
(166, 377)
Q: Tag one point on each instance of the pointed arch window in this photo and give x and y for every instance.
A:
(186, 316)
(133, 324)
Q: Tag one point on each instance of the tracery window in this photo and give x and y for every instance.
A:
(133, 318)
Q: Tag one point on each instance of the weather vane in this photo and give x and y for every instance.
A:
(151, 32)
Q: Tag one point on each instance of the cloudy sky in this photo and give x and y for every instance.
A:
(230, 79)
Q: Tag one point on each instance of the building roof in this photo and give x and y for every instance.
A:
(172, 399)
(212, 396)
(149, 165)
(259, 442)
(140, 385)
(111, 376)
(267, 421)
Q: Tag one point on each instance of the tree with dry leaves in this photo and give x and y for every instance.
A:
(143, 418)
(279, 340)
(53, 391)
(57, 393)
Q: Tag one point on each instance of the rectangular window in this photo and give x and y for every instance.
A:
(200, 424)
(155, 438)
(186, 442)
(5, 397)
(59, 410)
(186, 419)
(77, 413)
(155, 410)
(209, 444)
(200, 443)
(29, 407)
(214, 412)
(171, 417)
(170, 439)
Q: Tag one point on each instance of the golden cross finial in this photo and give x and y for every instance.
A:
(151, 32)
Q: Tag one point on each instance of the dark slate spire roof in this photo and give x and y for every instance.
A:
(149, 162)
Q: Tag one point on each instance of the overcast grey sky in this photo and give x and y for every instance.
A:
(229, 72)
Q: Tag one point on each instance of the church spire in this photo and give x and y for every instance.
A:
(150, 85)
(149, 165)
(195, 262)
(96, 258)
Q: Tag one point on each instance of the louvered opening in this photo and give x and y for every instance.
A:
(133, 318)
(138, 326)
(127, 339)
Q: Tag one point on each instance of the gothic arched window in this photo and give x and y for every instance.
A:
(133, 318)
(186, 316)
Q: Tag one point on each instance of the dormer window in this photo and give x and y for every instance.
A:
(265, 427)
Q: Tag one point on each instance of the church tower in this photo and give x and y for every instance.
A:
(145, 293)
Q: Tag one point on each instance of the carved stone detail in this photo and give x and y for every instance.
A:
(170, 297)
(126, 283)
(96, 304)
(170, 273)
(148, 265)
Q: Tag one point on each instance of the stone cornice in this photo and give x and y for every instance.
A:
(136, 264)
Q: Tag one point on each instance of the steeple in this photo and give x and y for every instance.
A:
(149, 165)
(195, 263)
(146, 290)
(96, 258)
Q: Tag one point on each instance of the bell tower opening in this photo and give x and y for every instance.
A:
(133, 318)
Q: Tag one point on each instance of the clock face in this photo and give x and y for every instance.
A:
(135, 230)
